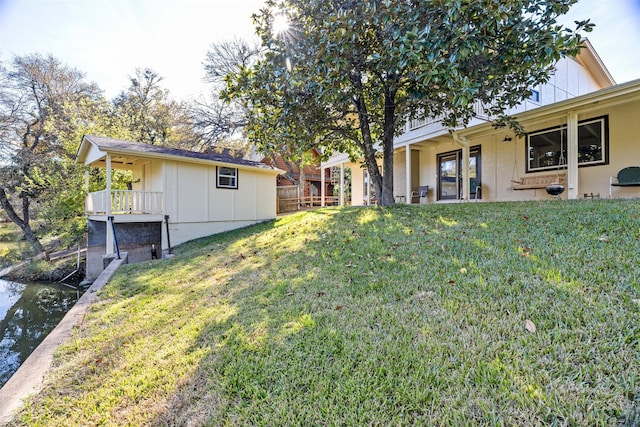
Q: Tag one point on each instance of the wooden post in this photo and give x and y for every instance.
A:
(107, 207)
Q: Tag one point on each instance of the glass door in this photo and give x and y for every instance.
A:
(450, 174)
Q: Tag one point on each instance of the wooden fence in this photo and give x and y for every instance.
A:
(292, 204)
(291, 199)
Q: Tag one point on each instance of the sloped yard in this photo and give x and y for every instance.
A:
(465, 314)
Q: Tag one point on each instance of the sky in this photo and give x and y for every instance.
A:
(109, 39)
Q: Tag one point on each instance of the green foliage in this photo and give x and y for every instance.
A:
(45, 109)
(347, 75)
(43, 102)
(408, 315)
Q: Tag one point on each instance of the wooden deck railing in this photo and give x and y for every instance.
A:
(292, 204)
(124, 202)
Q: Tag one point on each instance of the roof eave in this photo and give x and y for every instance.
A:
(86, 139)
(625, 92)
(590, 59)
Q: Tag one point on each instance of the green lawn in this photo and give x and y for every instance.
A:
(463, 314)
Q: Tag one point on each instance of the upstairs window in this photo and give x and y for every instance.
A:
(547, 149)
(226, 177)
(535, 96)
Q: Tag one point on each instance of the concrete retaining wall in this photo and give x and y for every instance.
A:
(29, 378)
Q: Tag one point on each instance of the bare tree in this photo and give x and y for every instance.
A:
(228, 57)
(216, 121)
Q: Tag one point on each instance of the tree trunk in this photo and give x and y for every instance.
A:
(383, 184)
(23, 223)
(387, 198)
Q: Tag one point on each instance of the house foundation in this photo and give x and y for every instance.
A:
(139, 239)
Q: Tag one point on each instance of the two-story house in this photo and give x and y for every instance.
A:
(581, 130)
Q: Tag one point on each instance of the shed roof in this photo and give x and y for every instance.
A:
(93, 149)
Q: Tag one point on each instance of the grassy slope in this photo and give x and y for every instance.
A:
(399, 316)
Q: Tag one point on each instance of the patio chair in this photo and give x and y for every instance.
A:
(417, 196)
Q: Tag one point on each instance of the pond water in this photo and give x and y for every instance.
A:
(28, 312)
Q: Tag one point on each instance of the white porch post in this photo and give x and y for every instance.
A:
(341, 184)
(466, 192)
(408, 174)
(367, 187)
(572, 155)
(322, 187)
(110, 245)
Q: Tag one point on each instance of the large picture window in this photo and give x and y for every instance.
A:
(547, 149)
(226, 177)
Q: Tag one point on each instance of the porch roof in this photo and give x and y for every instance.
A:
(93, 151)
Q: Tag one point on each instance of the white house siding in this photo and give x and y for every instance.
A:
(197, 208)
(498, 167)
(266, 194)
(193, 193)
(357, 190)
(399, 175)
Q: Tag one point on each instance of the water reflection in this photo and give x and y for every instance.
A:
(28, 312)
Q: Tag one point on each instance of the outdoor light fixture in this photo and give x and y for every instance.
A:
(506, 139)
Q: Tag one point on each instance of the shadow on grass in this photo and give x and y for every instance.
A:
(399, 316)
(410, 315)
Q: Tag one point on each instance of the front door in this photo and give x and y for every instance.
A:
(450, 174)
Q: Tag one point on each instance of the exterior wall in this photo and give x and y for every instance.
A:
(503, 161)
(197, 208)
(357, 184)
(570, 79)
(399, 175)
(624, 150)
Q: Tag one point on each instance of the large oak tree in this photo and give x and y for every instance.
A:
(41, 101)
(347, 74)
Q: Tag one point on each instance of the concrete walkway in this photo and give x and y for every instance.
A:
(29, 378)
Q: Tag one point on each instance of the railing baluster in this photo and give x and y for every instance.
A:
(124, 202)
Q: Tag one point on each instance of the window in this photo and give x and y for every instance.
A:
(535, 96)
(227, 177)
(547, 149)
